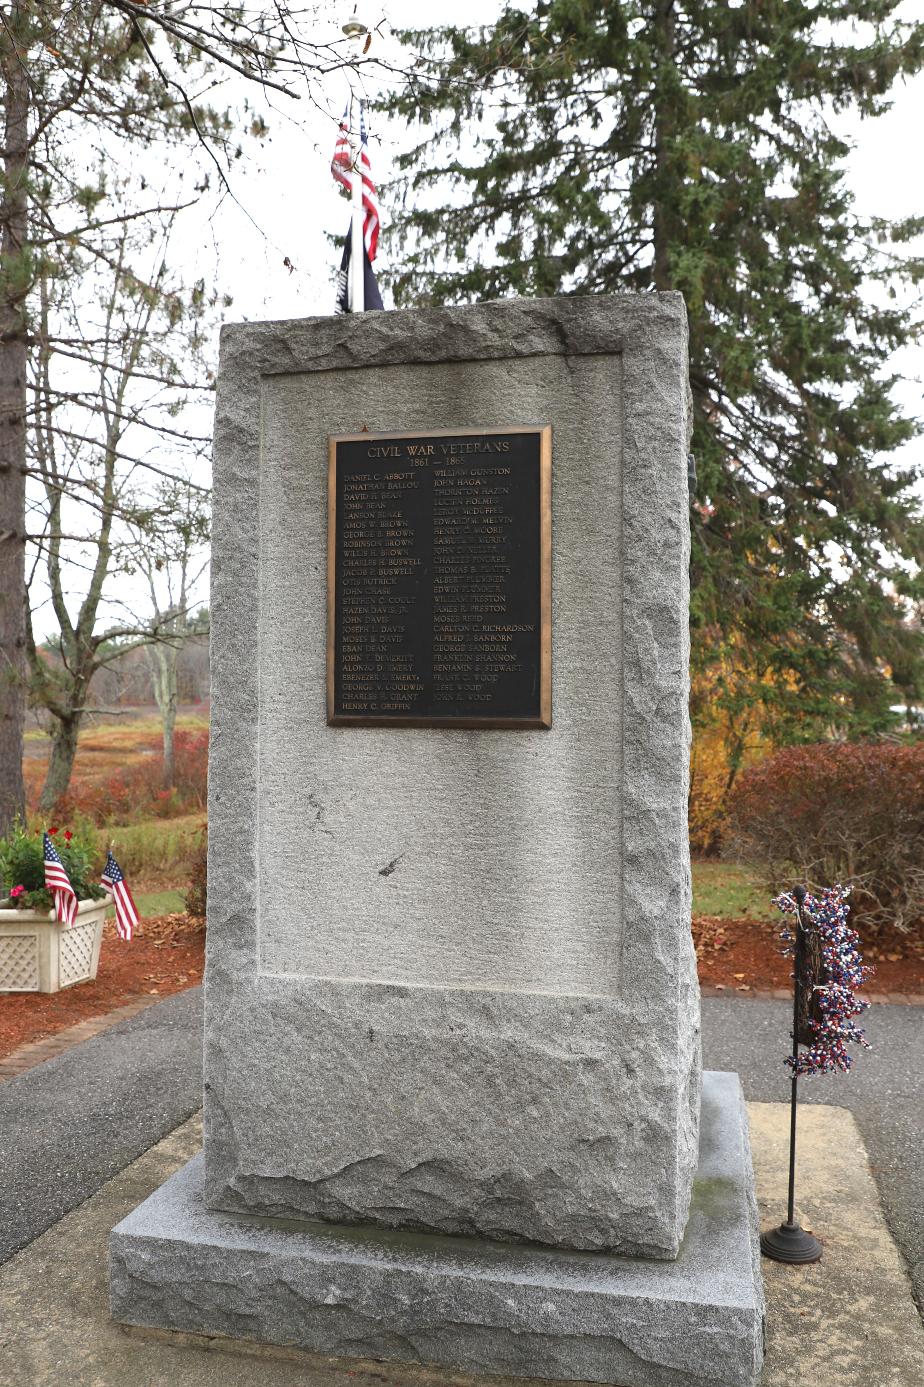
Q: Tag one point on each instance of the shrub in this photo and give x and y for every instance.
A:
(157, 850)
(191, 764)
(136, 792)
(197, 894)
(848, 812)
(22, 866)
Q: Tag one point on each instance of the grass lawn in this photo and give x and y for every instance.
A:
(151, 903)
(726, 888)
(160, 902)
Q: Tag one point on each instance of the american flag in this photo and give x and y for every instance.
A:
(58, 883)
(370, 196)
(341, 166)
(125, 909)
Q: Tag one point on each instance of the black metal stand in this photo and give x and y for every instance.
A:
(790, 1242)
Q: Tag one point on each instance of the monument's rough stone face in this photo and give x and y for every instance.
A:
(481, 1307)
(450, 983)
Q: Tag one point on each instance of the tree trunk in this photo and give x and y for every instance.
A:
(61, 764)
(163, 656)
(14, 283)
(169, 716)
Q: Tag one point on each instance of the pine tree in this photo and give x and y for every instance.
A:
(585, 146)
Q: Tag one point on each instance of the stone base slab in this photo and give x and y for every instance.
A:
(464, 1303)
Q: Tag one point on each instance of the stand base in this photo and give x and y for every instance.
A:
(790, 1243)
(464, 1303)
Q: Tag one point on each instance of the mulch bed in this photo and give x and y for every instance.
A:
(745, 955)
(167, 955)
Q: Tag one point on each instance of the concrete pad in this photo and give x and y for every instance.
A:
(465, 1303)
(848, 1321)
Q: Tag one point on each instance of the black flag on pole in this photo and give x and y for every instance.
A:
(371, 296)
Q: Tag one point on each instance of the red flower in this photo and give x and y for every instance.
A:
(17, 891)
(52, 831)
(67, 835)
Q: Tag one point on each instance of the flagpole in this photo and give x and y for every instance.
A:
(357, 266)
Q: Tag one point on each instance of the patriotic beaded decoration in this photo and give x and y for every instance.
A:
(843, 971)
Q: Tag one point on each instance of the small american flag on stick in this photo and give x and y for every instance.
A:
(58, 883)
(125, 909)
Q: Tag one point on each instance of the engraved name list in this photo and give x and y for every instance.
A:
(439, 578)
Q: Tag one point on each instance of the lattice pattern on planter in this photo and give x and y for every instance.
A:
(76, 953)
(19, 969)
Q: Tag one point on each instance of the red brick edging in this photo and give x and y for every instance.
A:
(37, 1051)
(784, 994)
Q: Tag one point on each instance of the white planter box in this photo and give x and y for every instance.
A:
(39, 955)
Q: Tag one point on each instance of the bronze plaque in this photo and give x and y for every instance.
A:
(439, 578)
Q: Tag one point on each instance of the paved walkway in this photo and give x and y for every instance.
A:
(38, 1051)
(72, 1123)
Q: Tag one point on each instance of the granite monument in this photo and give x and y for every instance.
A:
(454, 1110)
